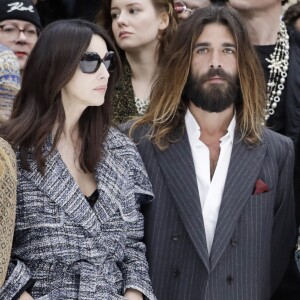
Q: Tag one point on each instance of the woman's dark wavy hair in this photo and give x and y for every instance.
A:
(104, 19)
(51, 65)
(292, 14)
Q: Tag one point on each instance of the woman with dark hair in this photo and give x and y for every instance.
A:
(80, 181)
(142, 31)
(291, 16)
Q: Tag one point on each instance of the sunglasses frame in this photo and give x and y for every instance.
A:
(94, 56)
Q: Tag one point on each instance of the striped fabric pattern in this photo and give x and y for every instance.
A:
(254, 235)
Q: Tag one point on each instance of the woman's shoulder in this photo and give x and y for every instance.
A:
(6, 149)
(123, 102)
(7, 157)
(117, 140)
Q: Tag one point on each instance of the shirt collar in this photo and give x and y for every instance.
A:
(193, 129)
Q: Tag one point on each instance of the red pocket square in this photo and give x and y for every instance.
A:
(260, 187)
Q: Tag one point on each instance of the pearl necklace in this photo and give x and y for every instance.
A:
(278, 65)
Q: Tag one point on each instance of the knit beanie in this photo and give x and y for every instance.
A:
(19, 10)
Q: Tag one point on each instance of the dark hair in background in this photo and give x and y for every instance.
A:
(104, 19)
(167, 108)
(292, 14)
(51, 65)
(224, 1)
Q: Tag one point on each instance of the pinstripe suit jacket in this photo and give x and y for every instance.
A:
(71, 250)
(254, 234)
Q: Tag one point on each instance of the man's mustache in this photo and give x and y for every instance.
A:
(215, 72)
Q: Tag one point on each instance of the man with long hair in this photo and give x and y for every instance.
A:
(223, 203)
(278, 48)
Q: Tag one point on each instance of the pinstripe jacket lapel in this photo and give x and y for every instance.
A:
(179, 172)
(244, 168)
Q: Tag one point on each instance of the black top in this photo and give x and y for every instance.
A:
(92, 199)
(286, 119)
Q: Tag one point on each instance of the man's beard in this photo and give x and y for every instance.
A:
(215, 97)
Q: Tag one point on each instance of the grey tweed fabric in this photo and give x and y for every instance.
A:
(71, 250)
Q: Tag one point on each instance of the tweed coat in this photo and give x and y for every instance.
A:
(255, 234)
(71, 250)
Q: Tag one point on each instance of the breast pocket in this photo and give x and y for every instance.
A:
(37, 212)
(260, 210)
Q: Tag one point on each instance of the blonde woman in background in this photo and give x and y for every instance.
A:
(142, 31)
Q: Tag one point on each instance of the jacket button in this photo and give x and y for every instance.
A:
(229, 279)
(175, 238)
(234, 242)
(176, 273)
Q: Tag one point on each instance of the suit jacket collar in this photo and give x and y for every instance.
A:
(244, 168)
(179, 172)
(178, 169)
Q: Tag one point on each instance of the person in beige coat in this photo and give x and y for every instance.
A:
(8, 183)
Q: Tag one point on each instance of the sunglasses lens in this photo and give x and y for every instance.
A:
(90, 62)
(109, 61)
(179, 7)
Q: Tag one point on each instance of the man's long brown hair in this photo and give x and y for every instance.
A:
(51, 65)
(167, 109)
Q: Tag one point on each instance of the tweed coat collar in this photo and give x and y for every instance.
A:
(59, 186)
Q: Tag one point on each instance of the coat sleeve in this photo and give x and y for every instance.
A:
(18, 277)
(284, 227)
(134, 266)
(18, 280)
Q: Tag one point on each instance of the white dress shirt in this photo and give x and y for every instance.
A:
(210, 191)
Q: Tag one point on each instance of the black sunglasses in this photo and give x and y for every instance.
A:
(90, 62)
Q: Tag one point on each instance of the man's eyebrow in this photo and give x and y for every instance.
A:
(229, 45)
(204, 44)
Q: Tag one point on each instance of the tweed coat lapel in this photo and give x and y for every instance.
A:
(244, 168)
(177, 166)
(58, 184)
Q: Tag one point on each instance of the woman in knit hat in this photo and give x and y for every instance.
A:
(19, 27)
(9, 81)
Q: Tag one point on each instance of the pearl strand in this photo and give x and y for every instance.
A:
(278, 65)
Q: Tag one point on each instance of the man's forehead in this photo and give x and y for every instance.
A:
(216, 31)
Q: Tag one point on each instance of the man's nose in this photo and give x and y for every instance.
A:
(215, 60)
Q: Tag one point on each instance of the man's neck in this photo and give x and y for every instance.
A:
(212, 125)
(262, 26)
